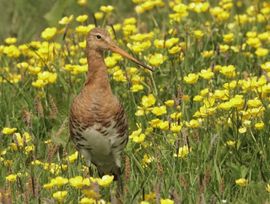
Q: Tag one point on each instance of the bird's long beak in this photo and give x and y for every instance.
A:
(115, 48)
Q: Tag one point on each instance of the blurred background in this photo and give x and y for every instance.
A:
(25, 19)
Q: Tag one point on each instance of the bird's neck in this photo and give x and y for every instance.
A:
(97, 71)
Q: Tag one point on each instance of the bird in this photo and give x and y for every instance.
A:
(97, 120)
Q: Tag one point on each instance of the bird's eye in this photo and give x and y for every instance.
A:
(98, 37)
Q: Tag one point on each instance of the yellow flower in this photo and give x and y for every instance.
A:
(119, 75)
(259, 125)
(48, 185)
(224, 48)
(169, 103)
(254, 103)
(138, 139)
(110, 61)
(231, 143)
(176, 116)
(136, 87)
(49, 33)
(82, 2)
(261, 52)
(141, 111)
(228, 71)
(82, 44)
(60, 196)
(137, 79)
(247, 123)
(148, 101)
(267, 188)
(241, 182)
(147, 5)
(242, 19)
(242, 130)
(159, 43)
(38, 83)
(155, 122)
(237, 101)
(59, 181)
(204, 92)
(105, 181)
(34, 70)
(227, 38)
(193, 124)
(83, 60)
(219, 13)
(198, 34)
(206, 74)
(163, 125)
(198, 98)
(48, 77)
(73, 157)
(21, 140)
(264, 36)
(175, 127)
(161, 110)
(156, 59)
(147, 160)
(221, 94)
(29, 148)
(131, 20)
(76, 182)
(191, 78)
(138, 47)
(107, 9)
(207, 54)
(86, 200)
(180, 12)
(174, 50)
(99, 15)
(254, 42)
(166, 201)
(11, 51)
(183, 152)
(8, 131)
(10, 40)
(66, 20)
(82, 18)
(142, 36)
(266, 66)
(84, 30)
(168, 43)
(11, 177)
(199, 7)
(129, 29)
(137, 136)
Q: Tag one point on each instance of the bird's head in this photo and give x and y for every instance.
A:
(99, 39)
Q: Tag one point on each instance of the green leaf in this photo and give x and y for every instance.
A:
(56, 12)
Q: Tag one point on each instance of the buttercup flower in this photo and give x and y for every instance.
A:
(241, 182)
(49, 33)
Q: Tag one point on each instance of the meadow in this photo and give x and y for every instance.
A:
(198, 124)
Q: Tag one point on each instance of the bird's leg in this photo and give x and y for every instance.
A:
(91, 173)
(119, 182)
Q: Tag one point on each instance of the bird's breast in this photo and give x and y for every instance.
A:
(101, 141)
(98, 129)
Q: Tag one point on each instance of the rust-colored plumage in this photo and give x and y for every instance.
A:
(98, 125)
